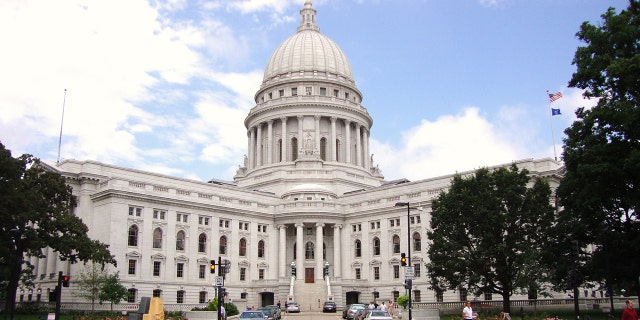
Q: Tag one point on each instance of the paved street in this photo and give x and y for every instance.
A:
(312, 315)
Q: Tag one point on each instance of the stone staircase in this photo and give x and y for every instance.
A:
(310, 296)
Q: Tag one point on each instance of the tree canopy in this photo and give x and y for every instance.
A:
(36, 212)
(487, 232)
(600, 192)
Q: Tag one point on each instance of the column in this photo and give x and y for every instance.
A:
(358, 145)
(252, 148)
(337, 262)
(248, 154)
(319, 249)
(270, 141)
(317, 124)
(259, 145)
(299, 251)
(347, 142)
(282, 251)
(285, 140)
(365, 145)
(300, 137)
(332, 144)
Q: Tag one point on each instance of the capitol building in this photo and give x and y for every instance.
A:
(307, 197)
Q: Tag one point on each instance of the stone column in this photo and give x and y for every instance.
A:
(319, 250)
(270, 141)
(365, 145)
(337, 262)
(332, 144)
(285, 139)
(259, 153)
(347, 142)
(299, 251)
(300, 136)
(252, 148)
(282, 251)
(358, 145)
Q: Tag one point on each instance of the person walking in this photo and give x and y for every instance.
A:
(629, 313)
(467, 312)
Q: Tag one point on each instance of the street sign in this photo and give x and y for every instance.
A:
(219, 281)
(408, 273)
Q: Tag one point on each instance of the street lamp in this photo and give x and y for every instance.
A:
(402, 204)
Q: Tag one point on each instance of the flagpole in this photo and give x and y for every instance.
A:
(553, 139)
(64, 101)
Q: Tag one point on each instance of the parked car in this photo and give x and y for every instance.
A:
(293, 307)
(329, 306)
(362, 313)
(252, 315)
(268, 313)
(351, 309)
(277, 313)
(378, 315)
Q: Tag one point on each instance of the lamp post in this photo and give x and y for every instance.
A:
(402, 204)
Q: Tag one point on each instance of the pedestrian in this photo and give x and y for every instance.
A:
(391, 308)
(467, 312)
(223, 314)
(383, 307)
(279, 306)
(629, 313)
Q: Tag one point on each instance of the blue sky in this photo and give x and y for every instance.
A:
(164, 86)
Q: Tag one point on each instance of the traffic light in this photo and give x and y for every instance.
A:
(403, 259)
(65, 281)
(408, 283)
(212, 267)
(326, 271)
(293, 270)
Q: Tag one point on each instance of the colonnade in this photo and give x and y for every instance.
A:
(336, 265)
(263, 150)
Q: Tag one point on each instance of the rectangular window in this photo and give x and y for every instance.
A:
(416, 270)
(243, 274)
(294, 91)
(243, 225)
(308, 91)
(180, 296)
(203, 220)
(396, 272)
(270, 95)
(376, 273)
(180, 270)
(159, 214)
(135, 211)
(281, 92)
(156, 268)
(132, 295)
(439, 296)
(203, 297)
(391, 223)
(346, 95)
(323, 91)
(309, 231)
(262, 228)
(202, 270)
(261, 274)
(182, 217)
(358, 273)
(132, 267)
(416, 295)
(244, 295)
(224, 223)
(336, 93)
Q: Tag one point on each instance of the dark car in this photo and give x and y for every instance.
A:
(277, 313)
(350, 310)
(329, 306)
(268, 313)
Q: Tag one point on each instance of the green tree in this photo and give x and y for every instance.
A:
(600, 191)
(112, 290)
(89, 282)
(35, 213)
(487, 232)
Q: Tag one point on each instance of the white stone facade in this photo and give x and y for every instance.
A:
(308, 193)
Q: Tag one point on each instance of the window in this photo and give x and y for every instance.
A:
(358, 276)
(308, 251)
(323, 149)
(336, 92)
(156, 268)
(439, 296)
(416, 270)
(396, 295)
(244, 295)
(180, 240)
(243, 274)
(376, 246)
(243, 247)
(180, 270)
(132, 295)
(375, 225)
(281, 92)
(346, 95)
(416, 295)
(202, 271)
(270, 95)
(294, 91)
(309, 231)
(224, 223)
(159, 214)
(376, 273)
(462, 294)
(243, 225)
(488, 296)
(261, 249)
(157, 238)
(338, 146)
(135, 211)
(396, 243)
(417, 244)
(223, 245)
(376, 295)
(203, 294)
(180, 296)
(280, 153)
(357, 227)
(202, 243)
(261, 274)
(358, 248)
(182, 217)
(203, 221)
(308, 91)
(157, 293)
(323, 91)
(394, 222)
(396, 271)
(262, 228)
(132, 267)
(133, 236)
(294, 149)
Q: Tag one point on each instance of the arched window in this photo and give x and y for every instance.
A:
(337, 150)
(376, 246)
(323, 149)
(261, 249)
(180, 240)
(157, 238)
(308, 252)
(202, 243)
(294, 149)
(396, 244)
(358, 248)
(223, 245)
(133, 236)
(417, 243)
(295, 255)
(324, 251)
(243, 247)
(280, 154)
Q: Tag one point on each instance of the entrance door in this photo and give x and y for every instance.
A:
(309, 274)
(353, 297)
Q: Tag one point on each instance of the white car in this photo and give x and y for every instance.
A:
(378, 315)
(293, 307)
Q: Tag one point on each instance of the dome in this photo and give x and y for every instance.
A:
(308, 50)
(309, 189)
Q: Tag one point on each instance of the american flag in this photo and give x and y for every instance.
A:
(555, 96)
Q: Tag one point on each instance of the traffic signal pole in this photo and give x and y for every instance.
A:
(58, 295)
(219, 289)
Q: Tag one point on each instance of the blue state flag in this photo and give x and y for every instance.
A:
(555, 112)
